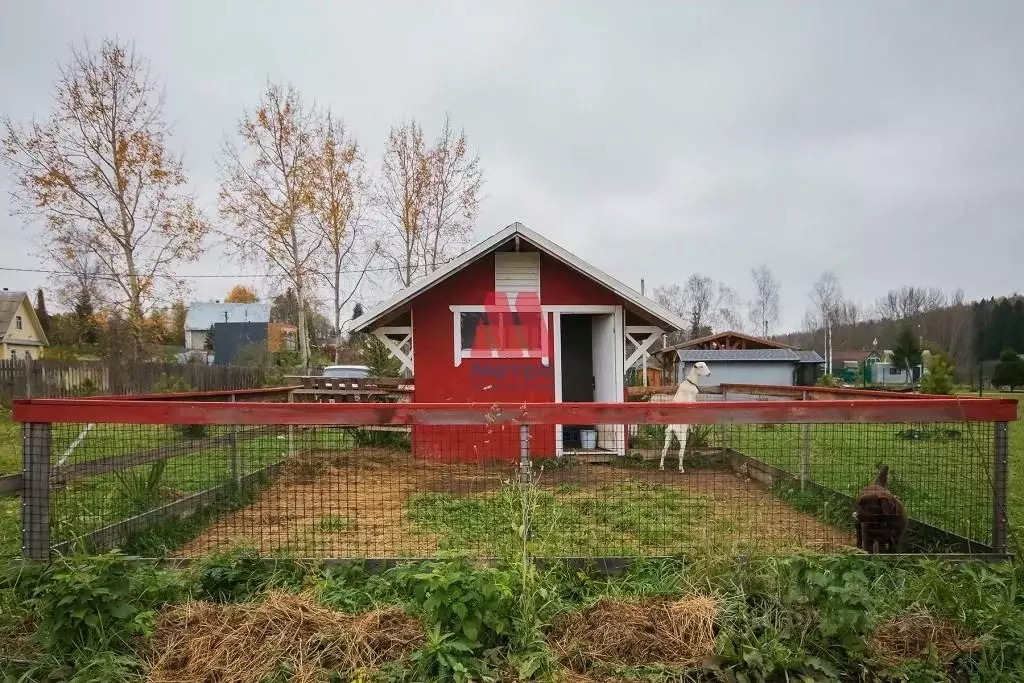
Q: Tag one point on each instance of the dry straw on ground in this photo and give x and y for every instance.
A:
(204, 642)
(911, 635)
(675, 633)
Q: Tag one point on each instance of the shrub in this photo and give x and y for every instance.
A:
(939, 379)
(827, 381)
(240, 576)
(98, 604)
(1009, 371)
(165, 384)
(465, 611)
(86, 388)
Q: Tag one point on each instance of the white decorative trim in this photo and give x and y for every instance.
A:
(580, 308)
(642, 348)
(397, 348)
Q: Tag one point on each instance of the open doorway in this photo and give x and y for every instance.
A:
(589, 365)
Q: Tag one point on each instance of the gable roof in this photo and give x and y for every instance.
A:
(481, 249)
(712, 338)
(733, 355)
(203, 316)
(9, 303)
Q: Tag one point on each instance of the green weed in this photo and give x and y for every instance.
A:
(334, 524)
(242, 575)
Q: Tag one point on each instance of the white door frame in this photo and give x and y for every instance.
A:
(620, 352)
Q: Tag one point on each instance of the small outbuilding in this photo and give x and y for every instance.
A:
(518, 318)
(738, 358)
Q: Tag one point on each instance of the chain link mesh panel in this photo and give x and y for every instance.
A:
(386, 491)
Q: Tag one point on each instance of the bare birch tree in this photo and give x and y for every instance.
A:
(266, 195)
(402, 196)
(909, 301)
(453, 198)
(339, 194)
(428, 198)
(765, 308)
(99, 174)
(826, 300)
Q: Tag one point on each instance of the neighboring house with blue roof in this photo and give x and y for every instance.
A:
(737, 358)
(201, 318)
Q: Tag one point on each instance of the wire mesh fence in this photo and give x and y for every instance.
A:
(401, 480)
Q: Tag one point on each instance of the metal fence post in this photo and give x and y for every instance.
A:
(35, 494)
(999, 482)
(525, 480)
(805, 451)
(525, 465)
(727, 431)
(236, 470)
(291, 428)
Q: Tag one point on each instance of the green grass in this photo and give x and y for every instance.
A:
(333, 524)
(1015, 502)
(942, 481)
(92, 503)
(620, 519)
(10, 444)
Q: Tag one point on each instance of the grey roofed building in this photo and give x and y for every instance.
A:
(786, 367)
(201, 317)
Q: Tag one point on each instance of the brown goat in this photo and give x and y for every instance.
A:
(880, 516)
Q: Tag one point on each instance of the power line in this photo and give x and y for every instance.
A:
(237, 276)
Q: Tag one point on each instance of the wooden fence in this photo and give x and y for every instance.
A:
(62, 379)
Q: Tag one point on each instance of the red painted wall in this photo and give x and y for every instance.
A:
(487, 380)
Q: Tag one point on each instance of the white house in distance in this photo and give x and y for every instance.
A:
(201, 317)
(21, 335)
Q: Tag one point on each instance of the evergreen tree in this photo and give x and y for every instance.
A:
(906, 353)
(87, 330)
(40, 308)
(177, 331)
(1009, 371)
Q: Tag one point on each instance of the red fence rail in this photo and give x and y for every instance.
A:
(157, 412)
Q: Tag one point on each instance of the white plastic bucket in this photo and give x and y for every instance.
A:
(588, 438)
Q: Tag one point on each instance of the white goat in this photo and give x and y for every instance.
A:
(686, 393)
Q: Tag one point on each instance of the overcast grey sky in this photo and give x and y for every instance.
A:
(883, 140)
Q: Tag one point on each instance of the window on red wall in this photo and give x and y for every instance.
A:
(500, 334)
(506, 331)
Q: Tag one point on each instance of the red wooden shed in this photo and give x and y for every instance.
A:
(517, 318)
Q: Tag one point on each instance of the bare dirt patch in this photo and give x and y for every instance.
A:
(354, 503)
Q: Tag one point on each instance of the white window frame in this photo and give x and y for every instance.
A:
(17, 322)
(459, 353)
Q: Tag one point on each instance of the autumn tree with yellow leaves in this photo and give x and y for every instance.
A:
(340, 199)
(100, 177)
(241, 294)
(428, 197)
(266, 195)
